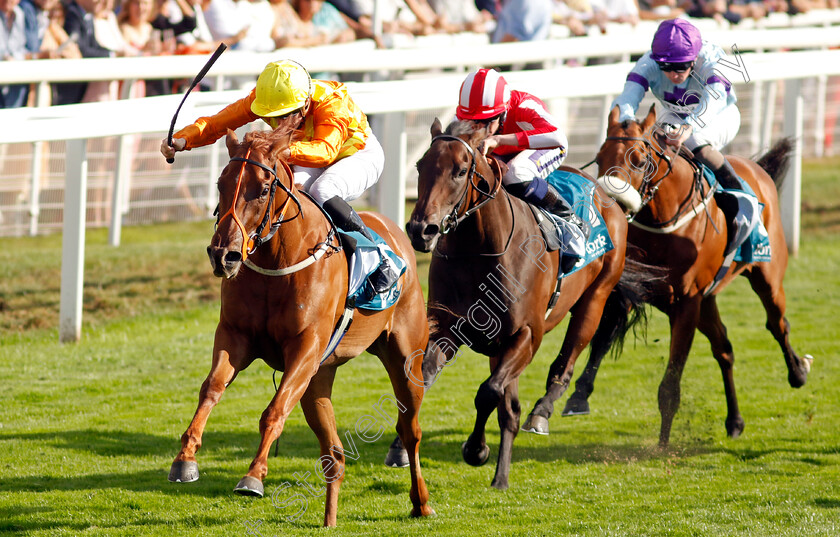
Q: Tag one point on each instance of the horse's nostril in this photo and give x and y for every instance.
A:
(431, 230)
(233, 257)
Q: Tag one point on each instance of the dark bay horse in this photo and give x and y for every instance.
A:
(679, 227)
(283, 291)
(490, 279)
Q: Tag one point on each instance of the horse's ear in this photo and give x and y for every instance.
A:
(613, 118)
(231, 141)
(650, 119)
(437, 128)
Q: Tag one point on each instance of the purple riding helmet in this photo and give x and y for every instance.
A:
(675, 41)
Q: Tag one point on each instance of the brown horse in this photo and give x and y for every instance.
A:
(678, 226)
(283, 305)
(491, 280)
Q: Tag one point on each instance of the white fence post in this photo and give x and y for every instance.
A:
(121, 181)
(791, 193)
(73, 242)
(391, 185)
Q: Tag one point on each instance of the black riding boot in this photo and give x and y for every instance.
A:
(741, 210)
(541, 194)
(347, 219)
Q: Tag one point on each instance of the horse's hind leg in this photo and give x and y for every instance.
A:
(318, 410)
(405, 374)
(228, 355)
(772, 294)
(712, 327)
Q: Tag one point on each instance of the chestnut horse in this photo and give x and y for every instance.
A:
(282, 298)
(677, 225)
(490, 287)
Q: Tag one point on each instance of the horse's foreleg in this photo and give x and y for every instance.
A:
(301, 364)
(506, 367)
(772, 295)
(318, 410)
(684, 318)
(509, 412)
(228, 358)
(712, 327)
(404, 373)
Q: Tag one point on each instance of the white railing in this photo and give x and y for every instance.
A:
(389, 101)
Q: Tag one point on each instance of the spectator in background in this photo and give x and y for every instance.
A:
(175, 16)
(461, 16)
(79, 22)
(712, 9)
(259, 18)
(659, 9)
(748, 8)
(200, 40)
(359, 22)
(523, 20)
(226, 22)
(325, 21)
(575, 14)
(12, 47)
(620, 11)
(55, 43)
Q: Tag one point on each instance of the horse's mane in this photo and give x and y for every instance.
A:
(267, 141)
(459, 127)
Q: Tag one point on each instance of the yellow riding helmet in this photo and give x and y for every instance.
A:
(281, 88)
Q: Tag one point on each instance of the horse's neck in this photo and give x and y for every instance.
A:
(296, 239)
(674, 190)
(487, 231)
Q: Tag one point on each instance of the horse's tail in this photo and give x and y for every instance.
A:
(777, 161)
(625, 308)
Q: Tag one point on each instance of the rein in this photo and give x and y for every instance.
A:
(452, 220)
(649, 189)
(253, 241)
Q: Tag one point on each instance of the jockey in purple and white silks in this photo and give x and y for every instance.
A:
(681, 71)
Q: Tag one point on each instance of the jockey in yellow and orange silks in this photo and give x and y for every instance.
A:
(338, 157)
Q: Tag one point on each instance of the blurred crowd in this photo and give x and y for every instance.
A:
(37, 29)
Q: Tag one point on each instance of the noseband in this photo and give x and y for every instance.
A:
(451, 221)
(648, 188)
(251, 242)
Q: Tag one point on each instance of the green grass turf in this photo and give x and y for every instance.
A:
(88, 430)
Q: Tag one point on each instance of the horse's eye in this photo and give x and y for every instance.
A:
(264, 191)
(462, 172)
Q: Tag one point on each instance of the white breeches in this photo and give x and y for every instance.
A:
(532, 163)
(717, 133)
(347, 178)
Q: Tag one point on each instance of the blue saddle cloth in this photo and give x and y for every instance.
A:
(756, 247)
(579, 193)
(365, 260)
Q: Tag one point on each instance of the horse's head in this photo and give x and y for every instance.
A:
(248, 198)
(630, 158)
(452, 177)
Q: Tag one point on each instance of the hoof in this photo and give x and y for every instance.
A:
(536, 424)
(499, 485)
(183, 472)
(396, 457)
(249, 486)
(576, 407)
(475, 458)
(797, 377)
(735, 427)
(425, 510)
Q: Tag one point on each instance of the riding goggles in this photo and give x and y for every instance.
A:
(676, 67)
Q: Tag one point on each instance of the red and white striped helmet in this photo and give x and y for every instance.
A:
(484, 94)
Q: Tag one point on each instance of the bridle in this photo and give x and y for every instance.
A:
(649, 187)
(251, 242)
(451, 220)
